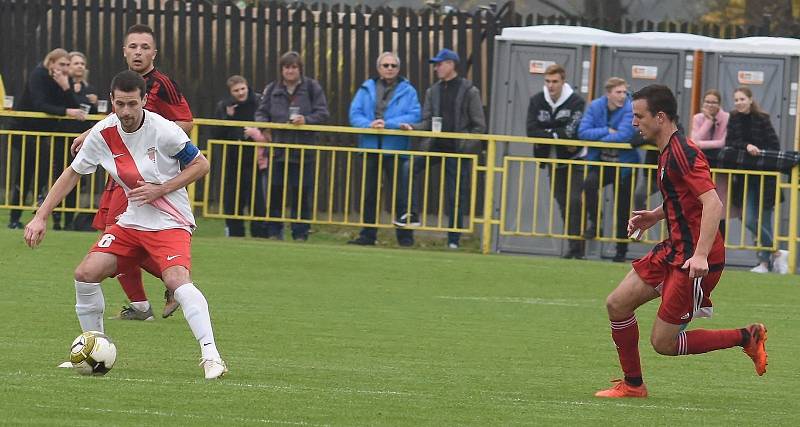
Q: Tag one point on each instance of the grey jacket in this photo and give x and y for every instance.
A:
(469, 115)
(274, 107)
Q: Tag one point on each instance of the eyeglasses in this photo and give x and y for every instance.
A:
(711, 102)
(389, 65)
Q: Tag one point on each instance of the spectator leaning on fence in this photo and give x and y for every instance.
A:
(384, 103)
(47, 90)
(750, 129)
(297, 99)
(243, 176)
(457, 103)
(556, 112)
(609, 119)
(709, 131)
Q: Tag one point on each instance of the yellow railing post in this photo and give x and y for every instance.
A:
(488, 197)
(793, 204)
(195, 138)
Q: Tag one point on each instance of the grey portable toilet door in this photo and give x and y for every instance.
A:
(765, 77)
(525, 79)
(642, 69)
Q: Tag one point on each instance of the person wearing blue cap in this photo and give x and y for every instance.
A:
(456, 102)
(384, 103)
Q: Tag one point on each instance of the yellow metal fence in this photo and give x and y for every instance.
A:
(509, 194)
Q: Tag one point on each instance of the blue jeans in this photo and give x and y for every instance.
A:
(464, 176)
(764, 223)
(372, 180)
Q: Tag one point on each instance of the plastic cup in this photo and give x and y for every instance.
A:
(102, 106)
(8, 102)
(436, 124)
(86, 108)
(293, 112)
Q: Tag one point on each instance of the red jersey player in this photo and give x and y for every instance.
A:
(152, 160)
(164, 98)
(684, 268)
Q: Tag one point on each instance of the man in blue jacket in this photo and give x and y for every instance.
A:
(609, 119)
(384, 103)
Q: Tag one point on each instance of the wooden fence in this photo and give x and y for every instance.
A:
(202, 43)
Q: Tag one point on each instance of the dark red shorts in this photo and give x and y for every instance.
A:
(682, 298)
(113, 203)
(167, 248)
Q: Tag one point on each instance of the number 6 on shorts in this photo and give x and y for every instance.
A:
(106, 241)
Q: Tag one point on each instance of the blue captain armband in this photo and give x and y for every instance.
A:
(186, 155)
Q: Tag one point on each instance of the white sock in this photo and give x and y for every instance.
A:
(141, 305)
(195, 310)
(89, 305)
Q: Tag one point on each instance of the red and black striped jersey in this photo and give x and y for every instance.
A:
(164, 97)
(683, 175)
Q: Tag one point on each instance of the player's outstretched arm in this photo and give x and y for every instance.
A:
(147, 192)
(641, 221)
(709, 225)
(34, 231)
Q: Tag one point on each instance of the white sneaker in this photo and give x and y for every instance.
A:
(781, 262)
(452, 245)
(213, 368)
(760, 268)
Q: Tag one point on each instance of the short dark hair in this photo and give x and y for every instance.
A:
(139, 29)
(128, 81)
(291, 58)
(659, 98)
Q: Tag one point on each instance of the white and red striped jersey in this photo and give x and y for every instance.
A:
(148, 155)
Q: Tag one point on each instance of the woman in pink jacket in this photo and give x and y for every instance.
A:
(709, 129)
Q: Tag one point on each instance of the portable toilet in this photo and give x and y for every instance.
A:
(642, 59)
(769, 67)
(521, 56)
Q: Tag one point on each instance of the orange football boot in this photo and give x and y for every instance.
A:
(623, 389)
(755, 348)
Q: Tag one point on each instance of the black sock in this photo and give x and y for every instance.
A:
(634, 381)
(745, 337)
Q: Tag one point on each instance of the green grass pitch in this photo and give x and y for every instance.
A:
(323, 333)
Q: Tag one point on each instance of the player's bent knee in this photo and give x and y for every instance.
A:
(88, 274)
(175, 276)
(663, 346)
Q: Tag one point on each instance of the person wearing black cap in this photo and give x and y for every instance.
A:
(457, 103)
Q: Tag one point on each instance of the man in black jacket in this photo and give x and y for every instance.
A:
(556, 112)
(457, 102)
(48, 90)
(241, 105)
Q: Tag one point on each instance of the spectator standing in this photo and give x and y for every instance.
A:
(385, 102)
(609, 119)
(86, 97)
(242, 184)
(297, 99)
(709, 132)
(457, 102)
(556, 112)
(750, 129)
(47, 90)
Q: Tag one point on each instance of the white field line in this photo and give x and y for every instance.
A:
(525, 300)
(227, 383)
(172, 414)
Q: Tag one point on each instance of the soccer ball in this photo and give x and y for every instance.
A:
(93, 353)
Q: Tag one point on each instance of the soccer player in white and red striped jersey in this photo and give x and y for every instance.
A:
(165, 98)
(152, 159)
(683, 269)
